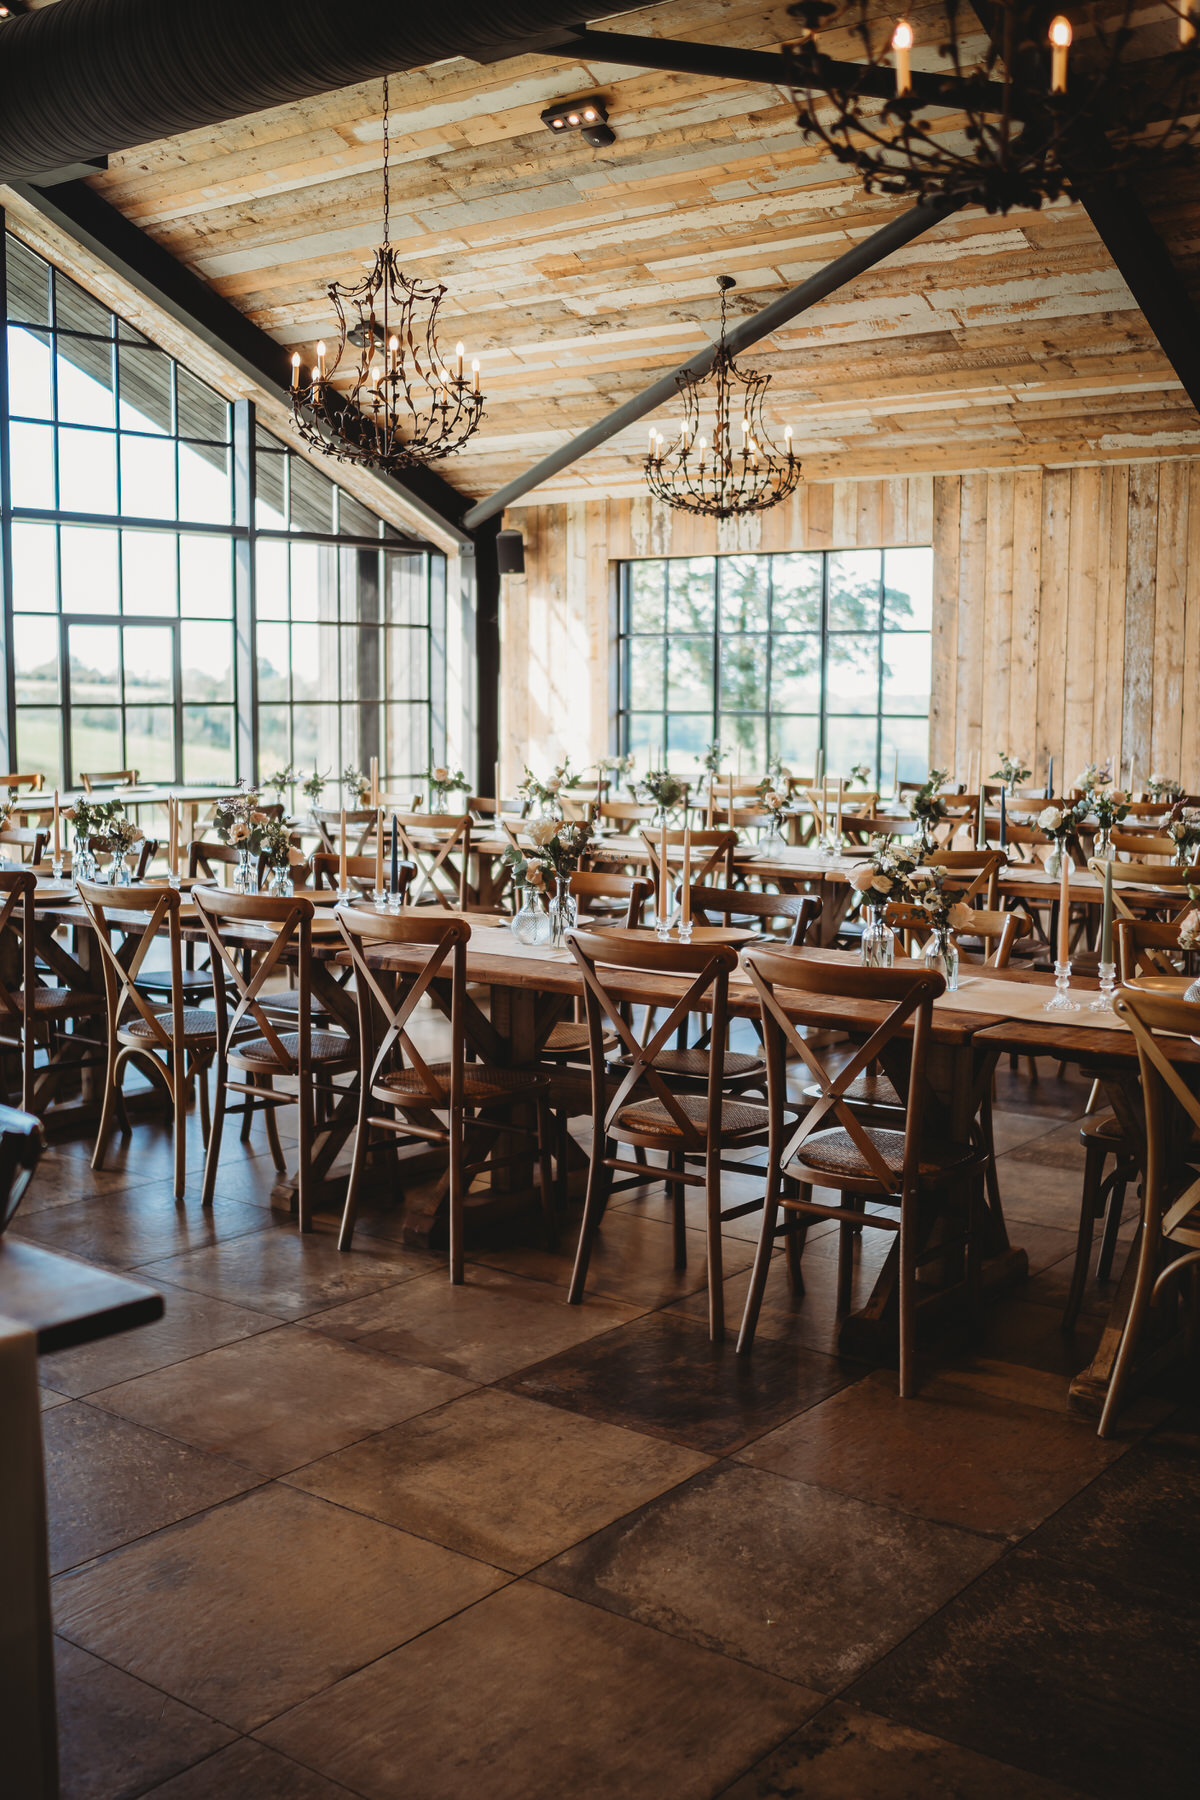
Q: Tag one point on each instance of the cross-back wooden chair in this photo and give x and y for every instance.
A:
(598, 892)
(440, 879)
(962, 817)
(978, 870)
(624, 813)
(35, 783)
(403, 1094)
(1171, 1189)
(1147, 947)
(834, 1146)
(33, 1012)
(1147, 811)
(645, 1111)
(174, 1043)
(730, 906)
(212, 861)
(712, 855)
(1167, 876)
(254, 938)
(106, 778)
(361, 823)
(1139, 845)
(361, 871)
(27, 843)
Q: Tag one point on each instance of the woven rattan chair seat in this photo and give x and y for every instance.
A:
(481, 1082)
(867, 1090)
(651, 1118)
(325, 1047)
(62, 1001)
(835, 1153)
(567, 1039)
(1106, 1127)
(197, 1023)
(695, 1062)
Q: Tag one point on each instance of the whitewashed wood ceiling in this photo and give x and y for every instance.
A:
(577, 275)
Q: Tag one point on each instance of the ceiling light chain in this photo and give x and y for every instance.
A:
(403, 405)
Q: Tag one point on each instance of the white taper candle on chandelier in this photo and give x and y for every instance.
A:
(902, 42)
(1060, 43)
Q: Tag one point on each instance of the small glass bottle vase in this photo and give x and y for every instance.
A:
(279, 881)
(564, 910)
(878, 943)
(941, 955)
(245, 876)
(118, 870)
(83, 861)
(1102, 849)
(531, 924)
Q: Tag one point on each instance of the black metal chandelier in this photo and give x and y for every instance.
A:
(399, 402)
(731, 466)
(1025, 107)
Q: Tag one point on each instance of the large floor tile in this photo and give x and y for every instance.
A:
(1044, 1193)
(633, 1261)
(191, 1323)
(1076, 1678)
(806, 1583)
(961, 1457)
(248, 1770)
(531, 1696)
(288, 1273)
(491, 1325)
(663, 1375)
(501, 1477)
(140, 1225)
(108, 1481)
(64, 1176)
(259, 1604)
(847, 1754)
(808, 1321)
(280, 1399)
(116, 1736)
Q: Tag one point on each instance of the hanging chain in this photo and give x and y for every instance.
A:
(386, 184)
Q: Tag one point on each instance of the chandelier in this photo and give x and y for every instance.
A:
(735, 468)
(1003, 121)
(397, 403)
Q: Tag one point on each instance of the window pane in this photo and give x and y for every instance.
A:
(208, 744)
(35, 570)
(311, 497)
(316, 739)
(748, 734)
(145, 381)
(849, 741)
(85, 382)
(647, 596)
(205, 577)
(314, 582)
(796, 592)
(270, 506)
(87, 471)
(274, 740)
(29, 385)
(206, 652)
(852, 675)
(96, 739)
(32, 465)
(89, 569)
(148, 572)
(204, 484)
(271, 581)
(407, 654)
(646, 673)
(314, 662)
(150, 744)
(643, 733)
(854, 577)
(353, 518)
(905, 744)
(75, 310)
(35, 659)
(149, 663)
(690, 674)
(407, 752)
(743, 593)
(906, 672)
(28, 285)
(688, 736)
(692, 597)
(795, 739)
(39, 741)
(796, 673)
(274, 657)
(148, 477)
(908, 589)
(743, 674)
(406, 590)
(202, 413)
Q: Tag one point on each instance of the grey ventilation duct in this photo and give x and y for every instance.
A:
(85, 78)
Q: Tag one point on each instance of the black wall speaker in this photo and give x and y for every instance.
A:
(510, 553)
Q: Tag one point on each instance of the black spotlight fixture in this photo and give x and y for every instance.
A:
(588, 117)
(510, 552)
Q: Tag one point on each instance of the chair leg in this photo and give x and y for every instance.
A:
(716, 1261)
(677, 1194)
(304, 1101)
(762, 1264)
(1118, 1181)
(599, 1183)
(200, 1068)
(907, 1284)
(845, 1269)
(456, 1199)
(545, 1168)
(358, 1158)
(107, 1109)
(277, 1156)
(1089, 1207)
(177, 1074)
(213, 1152)
(1139, 1304)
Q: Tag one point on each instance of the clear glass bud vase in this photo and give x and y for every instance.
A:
(83, 861)
(118, 870)
(941, 955)
(245, 876)
(531, 924)
(279, 881)
(878, 943)
(564, 909)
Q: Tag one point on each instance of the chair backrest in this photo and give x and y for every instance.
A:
(139, 914)
(625, 812)
(29, 840)
(361, 823)
(998, 931)
(1147, 947)
(360, 869)
(962, 812)
(1149, 810)
(103, 778)
(16, 915)
(1159, 875)
(910, 995)
(1138, 844)
(206, 858)
(35, 783)
(384, 1041)
(597, 884)
(450, 832)
(711, 905)
(250, 936)
(601, 956)
(712, 851)
(1151, 1017)
(978, 869)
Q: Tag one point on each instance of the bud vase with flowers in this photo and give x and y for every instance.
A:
(942, 909)
(89, 819)
(556, 854)
(1060, 824)
(1189, 939)
(1011, 773)
(239, 821)
(123, 836)
(929, 809)
(885, 878)
(1108, 809)
(443, 783)
(667, 791)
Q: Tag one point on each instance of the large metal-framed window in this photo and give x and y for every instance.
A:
(779, 654)
(135, 569)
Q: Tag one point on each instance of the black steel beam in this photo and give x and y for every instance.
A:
(131, 253)
(874, 249)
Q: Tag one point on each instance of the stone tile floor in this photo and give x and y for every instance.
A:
(334, 1528)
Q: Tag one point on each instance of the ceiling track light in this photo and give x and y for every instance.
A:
(588, 117)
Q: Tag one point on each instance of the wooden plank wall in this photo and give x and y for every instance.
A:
(1066, 608)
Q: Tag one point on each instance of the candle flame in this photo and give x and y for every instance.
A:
(902, 37)
(1060, 32)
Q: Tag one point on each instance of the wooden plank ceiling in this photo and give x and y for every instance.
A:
(579, 274)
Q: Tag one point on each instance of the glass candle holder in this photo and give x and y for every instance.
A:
(1108, 987)
(1062, 1001)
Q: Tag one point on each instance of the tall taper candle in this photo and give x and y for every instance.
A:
(1064, 909)
(980, 821)
(663, 877)
(841, 784)
(896, 776)
(343, 878)
(1106, 918)
(378, 850)
(375, 781)
(395, 858)
(1050, 779)
(57, 830)
(1003, 822)
(685, 915)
